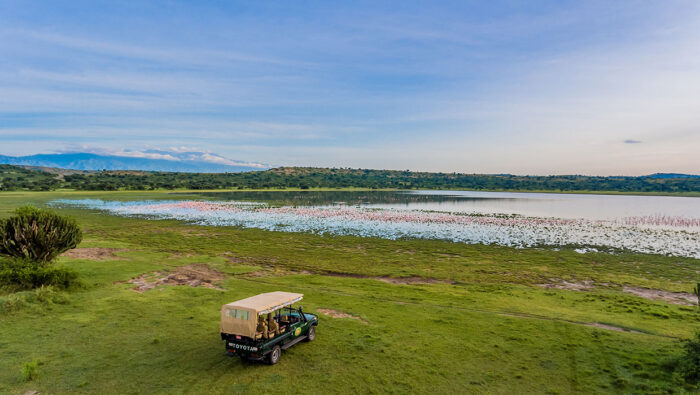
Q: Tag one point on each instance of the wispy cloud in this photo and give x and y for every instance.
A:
(444, 86)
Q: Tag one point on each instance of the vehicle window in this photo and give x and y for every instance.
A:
(238, 314)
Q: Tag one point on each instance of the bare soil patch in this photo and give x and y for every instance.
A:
(570, 286)
(274, 273)
(408, 280)
(94, 253)
(196, 275)
(413, 280)
(234, 259)
(682, 298)
(611, 327)
(340, 314)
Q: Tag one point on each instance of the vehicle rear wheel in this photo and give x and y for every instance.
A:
(274, 356)
(312, 334)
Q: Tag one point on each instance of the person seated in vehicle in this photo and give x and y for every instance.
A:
(289, 317)
(272, 325)
(284, 319)
(261, 330)
(281, 321)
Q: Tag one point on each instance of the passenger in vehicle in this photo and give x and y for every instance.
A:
(272, 325)
(280, 322)
(262, 328)
(284, 319)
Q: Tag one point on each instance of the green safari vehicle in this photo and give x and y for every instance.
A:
(260, 327)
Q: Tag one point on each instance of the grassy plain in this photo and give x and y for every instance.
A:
(474, 320)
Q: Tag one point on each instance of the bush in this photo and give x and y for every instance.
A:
(37, 234)
(688, 366)
(27, 274)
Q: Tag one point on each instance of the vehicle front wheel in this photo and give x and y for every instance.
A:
(312, 334)
(274, 356)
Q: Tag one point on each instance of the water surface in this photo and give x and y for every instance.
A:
(586, 206)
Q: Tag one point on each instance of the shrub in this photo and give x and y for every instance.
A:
(688, 366)
(27, 274)
(38, 234)
(13, 302)
(37, 298)
(30, 370)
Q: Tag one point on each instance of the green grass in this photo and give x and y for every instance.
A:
(484, 326)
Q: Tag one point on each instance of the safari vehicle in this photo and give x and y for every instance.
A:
(260, 327)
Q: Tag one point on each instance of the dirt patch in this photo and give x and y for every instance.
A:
(94, 253)
(682, 298)
(570, 286)
(274, 273)
(258, 273)
(237, 260)
(611, 327)
(408, 280)
(340, 314)
(413, 280)
(196, 275)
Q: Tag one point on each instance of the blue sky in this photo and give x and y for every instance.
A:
(525, 87)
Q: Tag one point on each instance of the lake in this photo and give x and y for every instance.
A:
(611, 223)
(588, 206)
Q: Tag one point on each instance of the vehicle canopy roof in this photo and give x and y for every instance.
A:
(241, 317)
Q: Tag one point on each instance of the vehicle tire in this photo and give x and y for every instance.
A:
(311, 335)
(274, 356)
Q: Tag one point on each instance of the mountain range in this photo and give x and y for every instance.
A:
(148, 160)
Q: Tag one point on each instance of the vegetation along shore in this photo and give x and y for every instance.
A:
(13, 178)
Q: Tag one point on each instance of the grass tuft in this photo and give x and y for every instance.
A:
(30, 370)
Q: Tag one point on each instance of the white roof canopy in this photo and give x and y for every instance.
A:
(267, 302)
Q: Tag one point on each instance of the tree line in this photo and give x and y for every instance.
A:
(14, 178)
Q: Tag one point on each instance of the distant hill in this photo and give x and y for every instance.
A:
(187, 162)
(672, 175)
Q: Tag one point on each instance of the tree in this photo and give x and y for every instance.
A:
(37, 234)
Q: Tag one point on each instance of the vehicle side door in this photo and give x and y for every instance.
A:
(297, 327)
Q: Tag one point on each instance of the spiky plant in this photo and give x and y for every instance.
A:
(37, 234)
